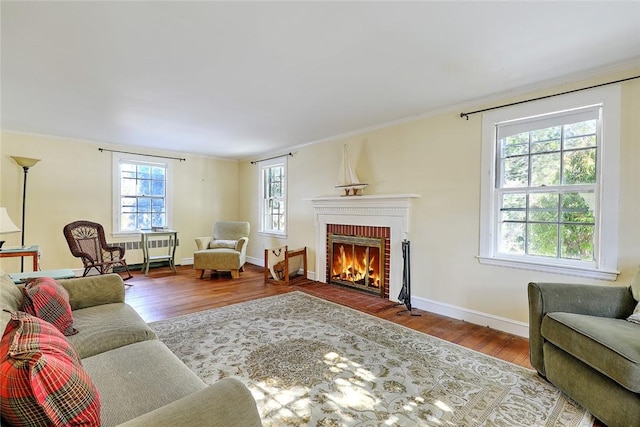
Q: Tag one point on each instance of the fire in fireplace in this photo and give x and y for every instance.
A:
(357, 262)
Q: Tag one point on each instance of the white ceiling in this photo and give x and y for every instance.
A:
(244, 79)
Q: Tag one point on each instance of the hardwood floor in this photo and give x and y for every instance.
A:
(163, 294)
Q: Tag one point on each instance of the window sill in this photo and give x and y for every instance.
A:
(272, 234)
(567, 270)
(126, 234)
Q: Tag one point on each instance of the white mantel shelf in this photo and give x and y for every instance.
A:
(381, 210)
(366, 198)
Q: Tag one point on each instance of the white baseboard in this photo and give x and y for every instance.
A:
(256, 261)
(472, 316)
(187, 261)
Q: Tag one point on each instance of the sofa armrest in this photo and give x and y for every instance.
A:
(203, 242)
(94, 290)
(241, 246)
(602, 301)
(228, 402)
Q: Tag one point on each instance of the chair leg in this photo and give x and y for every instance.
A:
(235, 274)
(199, 274)
(126, 267)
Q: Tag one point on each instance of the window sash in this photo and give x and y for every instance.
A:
(273, 197)
(543, 231)
(566, 212)
(514, 127)
(141, 194)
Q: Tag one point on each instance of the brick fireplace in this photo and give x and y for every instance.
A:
(358, 257)
(370, 216)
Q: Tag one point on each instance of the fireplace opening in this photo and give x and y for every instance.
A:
(357, 262)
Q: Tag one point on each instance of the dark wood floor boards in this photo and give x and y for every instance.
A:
(163, 294)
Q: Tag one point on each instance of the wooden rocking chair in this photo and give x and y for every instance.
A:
(282, 266)
(87, 241)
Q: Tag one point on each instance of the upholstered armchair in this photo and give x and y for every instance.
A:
(226, 250)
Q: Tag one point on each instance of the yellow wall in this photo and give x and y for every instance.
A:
(436, 157)
(439, 158)
(74, 181)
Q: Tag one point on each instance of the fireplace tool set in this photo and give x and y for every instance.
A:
(405, 293)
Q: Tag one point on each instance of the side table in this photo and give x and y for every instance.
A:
(147, 236)
(31, 251)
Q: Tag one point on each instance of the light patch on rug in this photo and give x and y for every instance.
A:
(312, 362)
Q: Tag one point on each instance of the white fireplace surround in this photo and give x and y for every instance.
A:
(390, 210)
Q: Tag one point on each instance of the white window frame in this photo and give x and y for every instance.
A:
(262, 166)
(119, 158)
(607, 186)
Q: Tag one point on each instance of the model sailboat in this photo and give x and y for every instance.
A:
(347, 178)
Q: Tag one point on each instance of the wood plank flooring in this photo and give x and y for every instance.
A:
(163, 294)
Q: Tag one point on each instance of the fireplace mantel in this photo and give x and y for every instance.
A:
(391, 210)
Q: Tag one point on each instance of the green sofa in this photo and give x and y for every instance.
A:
(139, 380)
(581, 342)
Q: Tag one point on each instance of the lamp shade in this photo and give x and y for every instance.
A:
(25, 162)
(6, 225)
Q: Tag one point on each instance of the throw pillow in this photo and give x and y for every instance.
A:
(47, 299)
(43, 382)
(228, 244)
(635, 316)
(635, 285)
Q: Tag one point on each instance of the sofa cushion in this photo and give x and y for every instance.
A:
(43, 382)
(10, 299)
(10, 295)
(108, 326)
(228, 244)
(46, 299)
(139, 378)
(610, 346)
(222, 258)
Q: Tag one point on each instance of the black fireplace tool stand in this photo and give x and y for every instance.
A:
(405, 292)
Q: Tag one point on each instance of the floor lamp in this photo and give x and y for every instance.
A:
(25, 163)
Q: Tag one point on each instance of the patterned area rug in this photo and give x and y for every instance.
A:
(312, 362)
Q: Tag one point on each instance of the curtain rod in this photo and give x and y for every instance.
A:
(271, 158)
(466, 115)
(140, 154)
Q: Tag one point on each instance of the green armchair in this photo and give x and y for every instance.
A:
(226, 250)
(581, 342)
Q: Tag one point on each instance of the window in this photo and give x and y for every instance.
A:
(273, 196)
(140, 194)
(550, 187)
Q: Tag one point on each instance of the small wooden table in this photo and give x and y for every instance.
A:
(31, 251)
(147, 236)
(62, 273)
